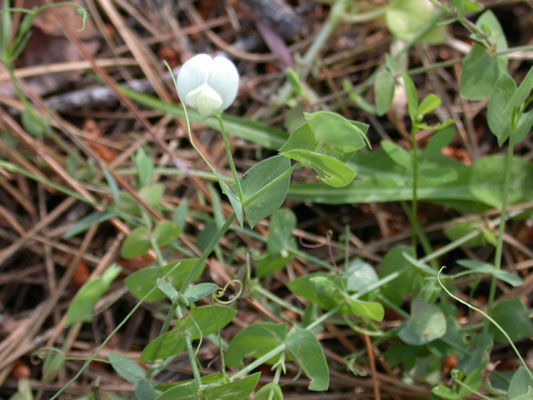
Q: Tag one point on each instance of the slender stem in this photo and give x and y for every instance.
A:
(253, 365)
(230, 159)
(190, 353)
(501, 231)
(270, 185)
(271, 296)
(415, 187)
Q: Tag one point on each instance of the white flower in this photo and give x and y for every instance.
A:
(208, 84)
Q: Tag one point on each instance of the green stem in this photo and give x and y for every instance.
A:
(230, 159)
(415, 187)
(190, 353)
(501, 231)
(271, 296)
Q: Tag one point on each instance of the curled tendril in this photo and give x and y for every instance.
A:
(221, 292)
(41, 354)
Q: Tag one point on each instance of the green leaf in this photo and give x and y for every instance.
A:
(319, 288)
(144, 167)
(166, 232)
(486, 268)
(513, 317)
(137, 243)
(269, 264)
(459, 229)
(258, 177)
(428, 104)
(426, 323)
(521, 385)
(499, 120)
(330, 170)
(301, 138)
(445, 393)
(152, 194)
(208, 319)
(438, 141)
(406, 18)
(306, 350)
(408, 280)
(366, 309)
(255, 341)
(141, 282)
(383, 90)
(180, 216)
(473, 381)
(52, 365)
(336, 132)
(82, 306)
(280, 238)
(238, 390)
(86, 222)
(126, 368)
(412, 97)
(144, 390)
(359, 275)
(397, 154)
(199, 291)
(522, 93)
(488, 22)
(479, 73)
(264, 392)
(523, 128)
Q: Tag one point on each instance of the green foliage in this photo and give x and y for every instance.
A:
(383, 90)
(200, 322)
(141, 282)
(425, 324)
(406, 18)
(260, 199)
(264, 392)
(82, 306)
(513, 317)
(126, 368)
(139, 241)
(306, 350)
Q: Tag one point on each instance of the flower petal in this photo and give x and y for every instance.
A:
(224, 79)
(193, 74)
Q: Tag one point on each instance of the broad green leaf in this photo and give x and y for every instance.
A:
(86, 222)
(366, 309)
(24, 390)
(257, 178)
(521, 385)
(166, 232)
(52, 364)
(180, 215)
(255, 341)
(269, 264)
(319, 288)
(306, 350)
(428, 104)
(238, 390)
(397, 154)
(199, 291)
(264, 392)
(137, 243)
(82, 306)
(412, 97)
(477, 187)
(282, 223)
(486, 268)
(144, 167)
(141, 282)
(301, 138)
(145, 390)
(523, 128)
(336, 132)
(490, 24)
(383, 90)
(479, 73)
(459, 229)
(409, 279)
(264, 135)
(359, 275)
(445, 393)
(425, 324)
(477, 355)
(438, 141)
(330, 170)
(208, 319)
(152, 194)
(406, 18)
(513, 317)
(126, 368)
(522, 93)
(500, 121)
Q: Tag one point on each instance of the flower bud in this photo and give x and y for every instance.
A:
(208, 84)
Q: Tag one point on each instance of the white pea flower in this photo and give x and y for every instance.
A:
(208, 84)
